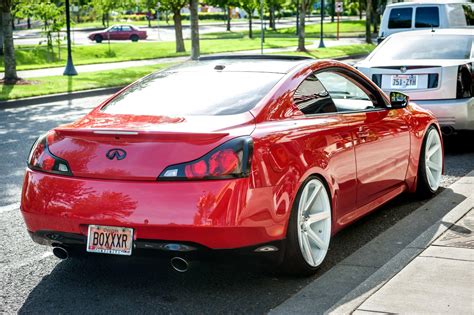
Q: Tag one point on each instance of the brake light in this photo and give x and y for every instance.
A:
(42, 159)
(465, 81)
(231, 159)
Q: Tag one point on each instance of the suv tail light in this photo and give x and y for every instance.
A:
(42, 159)
(231, 159)
(465, 81)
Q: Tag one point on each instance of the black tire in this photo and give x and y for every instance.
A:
(98, 39)
(293, 262)
(423, 189)
(134, 38)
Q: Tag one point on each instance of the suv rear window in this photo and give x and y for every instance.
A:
(400, 18)
(427, 17)
(194, 93)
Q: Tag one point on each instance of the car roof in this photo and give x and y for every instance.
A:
(437, 31)
(415, 3)
(243, 63)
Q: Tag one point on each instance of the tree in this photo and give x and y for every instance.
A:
(304, 4)
(150, 6)
(53, 18)
(104, 7)
(175, 7)
(249, 6)
(11, 76)
(272, 6)
(368, 18)
(225, 5)
(1, 37)
(195, 51)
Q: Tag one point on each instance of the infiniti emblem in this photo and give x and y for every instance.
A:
(403, 69)
(118, 154)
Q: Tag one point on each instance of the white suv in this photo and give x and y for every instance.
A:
(409, 16)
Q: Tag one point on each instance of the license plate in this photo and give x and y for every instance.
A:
(110, 240)
(404, 81)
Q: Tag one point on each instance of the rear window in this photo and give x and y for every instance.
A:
(427, 17)
(194, 93)
(400, 18)
(469, 13)
(425, 47)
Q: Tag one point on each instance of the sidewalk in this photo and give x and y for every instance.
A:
(137, 63)
(424, 264)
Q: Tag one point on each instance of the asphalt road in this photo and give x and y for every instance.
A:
(162, 33)
(34, 281)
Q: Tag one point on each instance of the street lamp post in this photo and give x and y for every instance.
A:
(69, 70)
(321, 41)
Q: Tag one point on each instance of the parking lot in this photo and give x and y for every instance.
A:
(38, 282)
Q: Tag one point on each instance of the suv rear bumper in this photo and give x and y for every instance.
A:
(455, 113)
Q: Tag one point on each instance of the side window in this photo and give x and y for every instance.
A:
(400, 18)
(115, 29)
(427, 17)
(346, 95)
(312, 98)
(126, 28)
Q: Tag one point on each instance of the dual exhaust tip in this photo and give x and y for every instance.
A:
(178, 264)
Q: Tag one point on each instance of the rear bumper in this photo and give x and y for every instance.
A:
(219, 214)
(456, 113)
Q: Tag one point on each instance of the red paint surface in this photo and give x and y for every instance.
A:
(366, 159)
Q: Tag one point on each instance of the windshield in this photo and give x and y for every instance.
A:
(425, 47)
(194, 93)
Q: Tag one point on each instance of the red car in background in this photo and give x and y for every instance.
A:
(264, 155)
(118, 32)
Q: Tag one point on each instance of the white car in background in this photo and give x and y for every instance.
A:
(411, 16)
(435, 68)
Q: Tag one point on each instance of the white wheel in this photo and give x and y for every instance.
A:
(433, 159)
(314, 222)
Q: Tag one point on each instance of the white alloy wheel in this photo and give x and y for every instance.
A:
(433, 159)
(314, 222)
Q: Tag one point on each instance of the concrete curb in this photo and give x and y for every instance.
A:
(95, 92)
(58, 97)
(349, 283)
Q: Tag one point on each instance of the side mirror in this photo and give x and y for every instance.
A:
(398, 100)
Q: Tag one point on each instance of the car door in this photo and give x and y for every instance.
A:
(114, 33)
(126, 32)
(381, 135)
(329, 144)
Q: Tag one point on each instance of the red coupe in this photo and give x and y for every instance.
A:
(118, 32)
(269, 155)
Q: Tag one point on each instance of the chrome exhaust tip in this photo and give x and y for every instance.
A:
(179, 264)
(60, 252)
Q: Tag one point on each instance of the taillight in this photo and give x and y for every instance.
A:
(231, 159)
(465, 81)
(41, 159)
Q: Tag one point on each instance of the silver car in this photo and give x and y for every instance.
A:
(435, 68)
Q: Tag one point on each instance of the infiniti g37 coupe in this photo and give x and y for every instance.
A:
(268, 155)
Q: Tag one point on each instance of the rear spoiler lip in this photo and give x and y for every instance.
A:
(151, 134)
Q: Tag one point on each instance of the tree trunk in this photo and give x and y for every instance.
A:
(28, 22)
(103, 20)
(250, 26)
(1, 37)
(368, 18)
(9, 50)
(229, 17)
(272, 18)
(149, 18)
(301, 33)
(195, 51)
(178, 31)
(360, 9)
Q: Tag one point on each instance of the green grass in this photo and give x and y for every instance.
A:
(346, 28)
(83, 81)
(334, 52)
(37, 57)
(121, 77)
